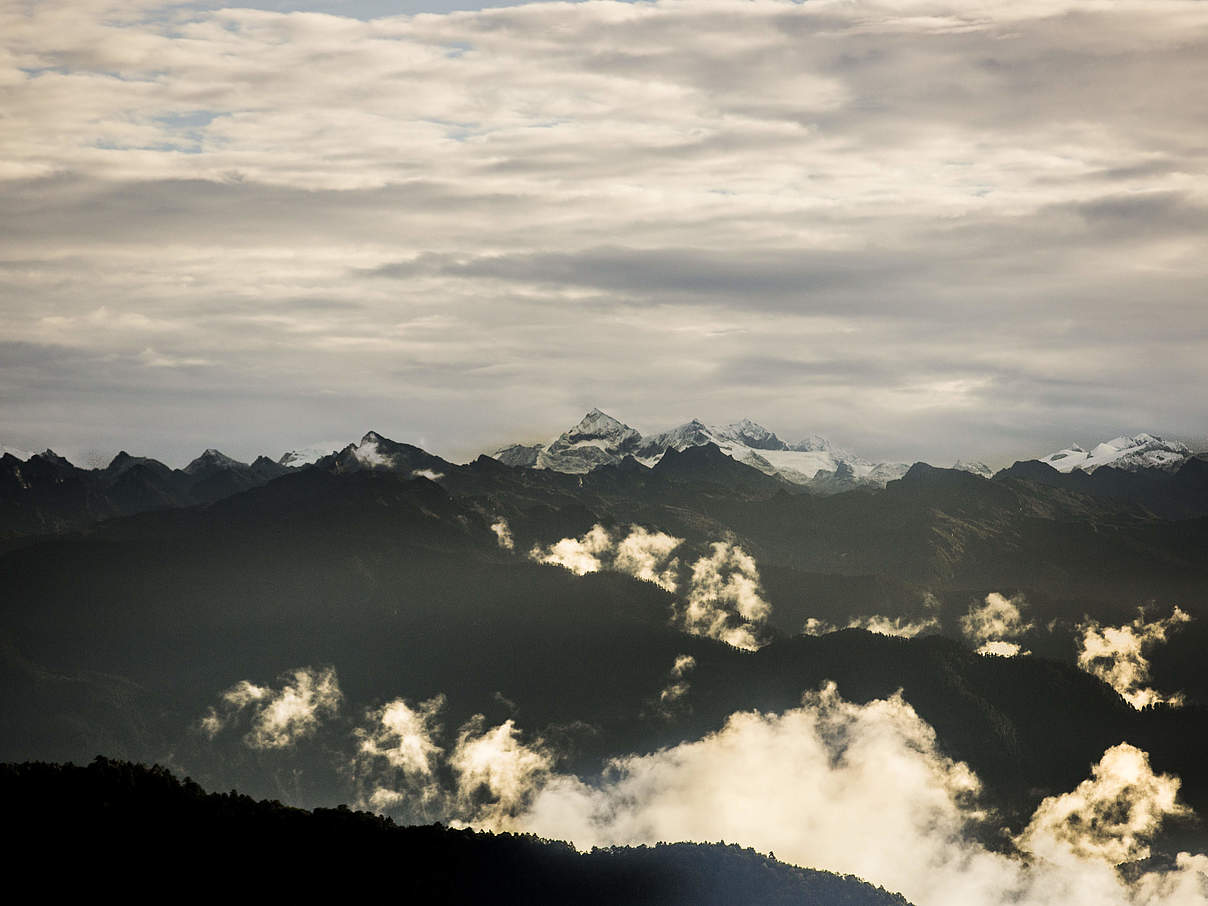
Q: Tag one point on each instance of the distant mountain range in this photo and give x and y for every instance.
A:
(1128, 452)
(599, 439)
(44, 493)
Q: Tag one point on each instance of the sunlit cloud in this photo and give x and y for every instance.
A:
(279, 717)
(994, 625)
(640, 553)
(721, 593)
(673, 695)
(864, 789)
(725, 598)
(1118, 655)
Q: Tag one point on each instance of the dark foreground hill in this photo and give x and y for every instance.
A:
(121, 826)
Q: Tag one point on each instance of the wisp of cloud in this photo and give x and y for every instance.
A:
(994, 625)
(1117, 655)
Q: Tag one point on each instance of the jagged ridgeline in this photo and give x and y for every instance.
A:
(375, 624)
(139, 827)
(45, 493)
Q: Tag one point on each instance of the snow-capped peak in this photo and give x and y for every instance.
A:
(694, 433)
(212, 459)
(598, 425)
(1128, 451)
(306, 456)
(750, 434)
(814, 443)
(974, 468)
(22, 455)
(598, 439)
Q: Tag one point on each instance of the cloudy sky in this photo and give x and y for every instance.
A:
(923, 229)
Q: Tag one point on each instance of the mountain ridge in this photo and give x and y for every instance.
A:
(599, 439)
(123, 810)
(47, 494)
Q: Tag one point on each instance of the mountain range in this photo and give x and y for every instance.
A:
(162, 615)
(44, 493)
(1127, 452)
(599, 439)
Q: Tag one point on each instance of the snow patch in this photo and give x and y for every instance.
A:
(1128, 452)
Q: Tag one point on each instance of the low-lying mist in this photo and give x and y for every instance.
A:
(856, 788)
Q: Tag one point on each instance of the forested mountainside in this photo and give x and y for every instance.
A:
(139, 827)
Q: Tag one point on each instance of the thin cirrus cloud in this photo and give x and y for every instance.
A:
(460, 225)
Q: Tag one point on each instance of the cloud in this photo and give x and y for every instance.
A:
(429, 474)
(999, 648)
(487, 776)
(647, 555)
(397, 757)
(993, 625)
(721, 597)
(807, 784)
(672, 695)
(903, 627)
(503, 534)
(864, 789)
(856, 788)
(369, 454)
(455, 224)
(1109, 816)
(497, 774)
(642, 554)
(233, 701)
(279, 717)
(725, 599)
(1117, 655)
(153, 359)
(579, 555)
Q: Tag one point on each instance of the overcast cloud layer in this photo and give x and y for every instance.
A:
(924, 229)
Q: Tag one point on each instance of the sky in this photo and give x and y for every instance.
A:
(925, 230)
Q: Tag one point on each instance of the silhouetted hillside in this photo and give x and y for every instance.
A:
(1181, 494)
(47, 495)
(119, 826)
(708, 464)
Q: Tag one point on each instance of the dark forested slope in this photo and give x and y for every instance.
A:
(119, 827)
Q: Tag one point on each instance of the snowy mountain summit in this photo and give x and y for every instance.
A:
(6, 450)
(973, 468)
(749, 434)
(1127, 452)
(306, 456)
(212, 459)
(599, 439)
